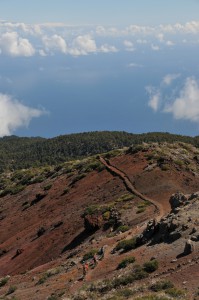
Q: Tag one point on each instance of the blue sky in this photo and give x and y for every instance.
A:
(114, 12)
(74, 66)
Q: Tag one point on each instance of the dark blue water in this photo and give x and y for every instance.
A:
(98, 91)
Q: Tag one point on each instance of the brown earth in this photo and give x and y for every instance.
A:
(64, 241)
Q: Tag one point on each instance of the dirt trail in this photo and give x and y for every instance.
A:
(103, 265)
(159, 211)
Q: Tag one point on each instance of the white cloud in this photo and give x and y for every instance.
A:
(14, 114)
(107, 48)
(12, 44)
(155, 47)
(134, 65)
(155, 97)
(186, 106)
(129, 45)
(142, 42)
(160, 37)
(42, 53)
(170, 43)
(169, 78)
(85, 44)
(55, 42)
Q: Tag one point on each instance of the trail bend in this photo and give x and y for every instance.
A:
(159, 211)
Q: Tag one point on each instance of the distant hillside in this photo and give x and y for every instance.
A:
(22, 152)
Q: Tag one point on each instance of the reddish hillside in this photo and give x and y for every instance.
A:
(50, 225)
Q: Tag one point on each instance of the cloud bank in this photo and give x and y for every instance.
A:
(183, 105)
(20, 39)
(12, 44)
(14, 114)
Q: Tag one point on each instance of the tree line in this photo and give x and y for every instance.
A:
(23, 152)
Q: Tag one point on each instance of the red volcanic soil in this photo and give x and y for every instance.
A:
(64, 238)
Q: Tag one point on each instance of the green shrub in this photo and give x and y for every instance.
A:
(165, 167)
(143, 204)
(48, 274)
(101, 168)
(151, 266)
(162, 285)
(139, 273)
(42, 279)
(140, 210)
(178, 162)
(26, 206)
(175, 293)
(47, 187)
(89, 254)
(16, 189)
(66, 191)
(38, 179)
(106, 215)
(123, 228)
(3, 281)
(135, 149)
(125, 197)
(90, 210)
(125, 293)
(101, 209)
(77, 178)
(11, 289)
(53, 297)
(123, 280)
(152, 297)
(125, 262)
(126, 245)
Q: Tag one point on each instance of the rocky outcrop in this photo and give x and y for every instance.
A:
(93, 222)
(181, 222)
(96, 220)
(177, 199)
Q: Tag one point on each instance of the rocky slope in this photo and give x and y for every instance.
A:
(53, 219)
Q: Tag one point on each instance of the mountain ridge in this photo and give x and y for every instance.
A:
(25, 152)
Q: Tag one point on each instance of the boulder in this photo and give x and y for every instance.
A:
(195, 237)
(189, 247)
(177, 199)
(93, 222)
(194, 196)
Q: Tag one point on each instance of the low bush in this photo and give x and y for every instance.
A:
(140, 210)
(3, 281)
(125, 262)
(152, 297)
(66, 191)
(125, 197)
(161, 285)
(41, 231)
(126, 245)
(89, 254)
(38, 179)
(151, 266)
(48, 274)
(139, 273)
(11, 289)
(175, 293)
(125, 293)
(77, 178)
(53, 297)
(47, 187)
(123, 228)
